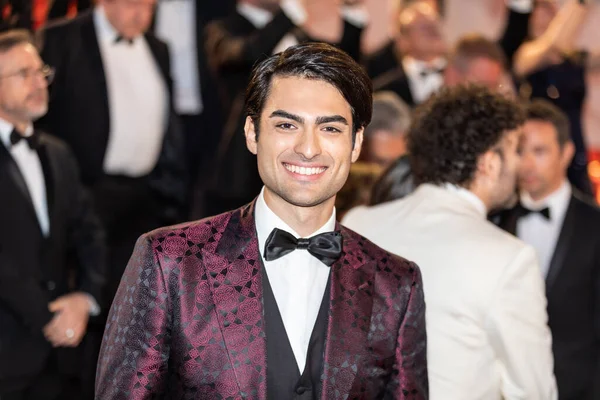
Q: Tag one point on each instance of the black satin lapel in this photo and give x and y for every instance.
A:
(562, 246)
(8, 164)
(94, 58)
(47, 167)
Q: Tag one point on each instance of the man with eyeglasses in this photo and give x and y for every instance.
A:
(111, 102)
(46, 217)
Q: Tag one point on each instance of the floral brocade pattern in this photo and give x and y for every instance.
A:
(187, 320)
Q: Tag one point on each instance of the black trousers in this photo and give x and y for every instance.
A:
(48, 385)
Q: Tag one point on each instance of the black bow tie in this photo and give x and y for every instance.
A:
(524, 211)
(33, 141)
(327, 247)
(425, 72)
(121, 38)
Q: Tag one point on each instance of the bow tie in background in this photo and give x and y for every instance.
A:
(121, 38)
(524, 211)
(425, 72)
(33, 141)
(327, 247)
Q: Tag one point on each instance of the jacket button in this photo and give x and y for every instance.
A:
(50, 285)
(300, 390)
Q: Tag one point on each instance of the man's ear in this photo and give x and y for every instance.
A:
(358, 141)
(489, 165)
(250, 132)
(566, 154)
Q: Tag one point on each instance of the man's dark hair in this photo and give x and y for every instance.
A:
(474, 46)
(316, 61)
(543, 110)
(454, 128)
(13, 38)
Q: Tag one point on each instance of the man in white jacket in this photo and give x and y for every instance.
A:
(486, 310)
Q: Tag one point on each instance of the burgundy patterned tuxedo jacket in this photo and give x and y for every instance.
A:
(187, 321)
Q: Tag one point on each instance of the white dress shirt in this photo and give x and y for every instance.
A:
(138, 102)
(176, 25)
(30, 166)
(540, 232)
(423, 85)
(298, 280)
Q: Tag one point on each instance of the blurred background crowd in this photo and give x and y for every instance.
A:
(148, 95)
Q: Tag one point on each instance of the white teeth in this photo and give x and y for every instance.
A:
(303, 170)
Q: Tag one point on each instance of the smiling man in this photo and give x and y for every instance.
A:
(274, 300)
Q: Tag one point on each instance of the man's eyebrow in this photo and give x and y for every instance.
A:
(331, 118)
(287, 115)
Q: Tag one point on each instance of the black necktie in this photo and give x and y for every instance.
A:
(121, 38)
(33, 141)
(524, 211)
(327, 247)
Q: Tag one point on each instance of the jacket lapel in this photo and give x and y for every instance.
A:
(49, 178)
(8, 164)
(94, 58)
(562, 246)
(233, 272)
(351, 303)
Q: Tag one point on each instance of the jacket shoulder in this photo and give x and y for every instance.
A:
(362, 248)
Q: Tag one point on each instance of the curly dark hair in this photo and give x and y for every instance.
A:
(454, 128)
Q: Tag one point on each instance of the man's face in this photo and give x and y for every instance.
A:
(480, 70)
(23, 84)
(384, 147)
(504, 187)
(421, 34)
(544, 162)
(130, 18)
(304, 148)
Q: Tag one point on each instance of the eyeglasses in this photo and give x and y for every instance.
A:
(26, 74)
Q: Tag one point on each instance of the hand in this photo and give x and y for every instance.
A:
(70, 320)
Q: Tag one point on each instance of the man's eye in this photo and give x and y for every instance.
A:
(285, 125)
(332, 129)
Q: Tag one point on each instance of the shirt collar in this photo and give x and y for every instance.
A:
(6, 129)
(104, 29)
(266, 220)
(257, 16)
(468, 196)
(557, 201)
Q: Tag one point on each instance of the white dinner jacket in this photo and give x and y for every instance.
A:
(487, 332)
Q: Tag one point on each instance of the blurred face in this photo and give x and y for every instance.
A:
(421, 33)
(482, 71)
(543, 13)
(385, 147)
(505, 176)
(130, 18)
(304, 148)
(23, 85)
(544, 162)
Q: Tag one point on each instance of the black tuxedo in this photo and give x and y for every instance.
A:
(386, 70)
(79, 108)
(573, 292)
(234, 46)
(34, 270)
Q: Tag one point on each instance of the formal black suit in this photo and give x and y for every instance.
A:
(234, 46)
(202, 131)
(79, 108)
(33, 270)
(386, 70)
(573, 292)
